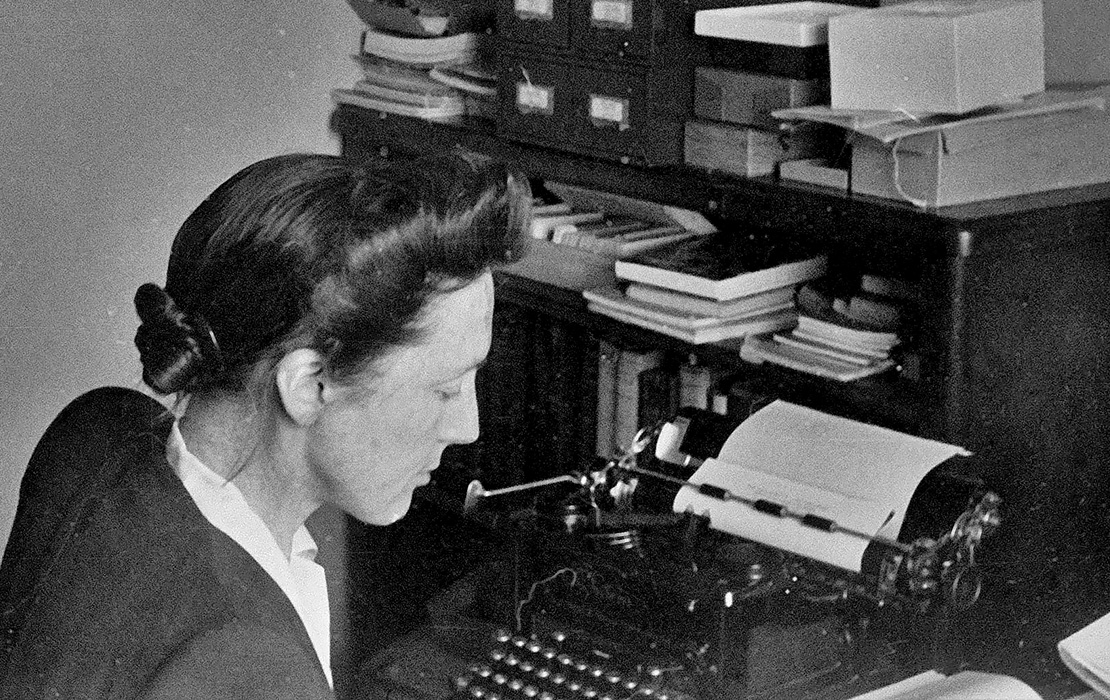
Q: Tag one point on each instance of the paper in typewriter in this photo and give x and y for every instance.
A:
(858, 475)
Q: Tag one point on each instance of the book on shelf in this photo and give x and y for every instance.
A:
(691, 305)
(469, 80)
(612, 297)
(658, 394)
(844, 322)
(631, 363)
(583, 197)
(845, 336)
(424, 18)
(461, 48)
(542, 225)
(634, 242)
(746, 396)
(892, 288)
(578, 233)
(723, 266)
(762, 323)
(403, 77)
(448, 111)
(700, 386)
(432, 99)
(759, 349)
(811, 344)
(542, 208)
(871, 309)
(399, 88)
(608, 356)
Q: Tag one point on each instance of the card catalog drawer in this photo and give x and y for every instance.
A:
(616, 114)
(535, 99)
(613, 28)
(543, 22)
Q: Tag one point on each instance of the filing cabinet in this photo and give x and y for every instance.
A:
(542, 23)
(606, 78)
(631, 112)
(634, 29)
(535, 101)
(614, 29)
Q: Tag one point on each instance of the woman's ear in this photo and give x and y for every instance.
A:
(300, 384)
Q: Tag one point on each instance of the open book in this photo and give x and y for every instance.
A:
(857, 475)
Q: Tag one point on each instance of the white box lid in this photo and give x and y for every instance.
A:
(790, 24)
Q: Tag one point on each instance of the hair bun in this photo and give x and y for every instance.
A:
(175, 349)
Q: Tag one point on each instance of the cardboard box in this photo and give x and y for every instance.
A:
(749, 151)
(941, 56)
(741, 97)
(1049, 141)
(816, 171)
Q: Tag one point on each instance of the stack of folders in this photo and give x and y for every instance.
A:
(836, 337)
(438, 78)
(706, 290)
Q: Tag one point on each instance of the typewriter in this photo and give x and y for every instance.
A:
(618, 593)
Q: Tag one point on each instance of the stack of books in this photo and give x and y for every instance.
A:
(438, 77)
(709, 289)
(841, 338)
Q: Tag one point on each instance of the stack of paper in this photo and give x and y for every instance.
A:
(649, 307)
(1087, 654)
(437, 78)
(713, 287)
(836, 337)
(965, 685)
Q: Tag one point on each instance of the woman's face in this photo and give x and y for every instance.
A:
(376, 442)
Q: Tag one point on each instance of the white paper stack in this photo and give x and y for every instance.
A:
(1087, 654)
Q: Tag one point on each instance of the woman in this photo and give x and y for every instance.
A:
(320, 327)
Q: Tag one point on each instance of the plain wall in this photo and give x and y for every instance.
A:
(117, 117)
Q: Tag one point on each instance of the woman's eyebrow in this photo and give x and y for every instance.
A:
(472, 367)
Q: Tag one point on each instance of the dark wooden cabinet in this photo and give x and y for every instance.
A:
(1010, 359)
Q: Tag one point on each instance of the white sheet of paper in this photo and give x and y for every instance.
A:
(1087, 654)
(965, 685)
(858, 475)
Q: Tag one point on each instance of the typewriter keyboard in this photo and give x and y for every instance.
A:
(557, 668)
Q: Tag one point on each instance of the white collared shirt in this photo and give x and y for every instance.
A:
(299, 577)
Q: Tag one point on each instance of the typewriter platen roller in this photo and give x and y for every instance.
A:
(931, 562)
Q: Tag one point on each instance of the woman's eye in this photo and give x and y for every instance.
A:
(448, 394)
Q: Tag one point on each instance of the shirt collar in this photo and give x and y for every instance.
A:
(222, 504)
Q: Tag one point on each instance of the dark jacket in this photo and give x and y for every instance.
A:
(113, 585)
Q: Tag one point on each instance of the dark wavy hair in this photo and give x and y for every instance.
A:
(316, 251)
